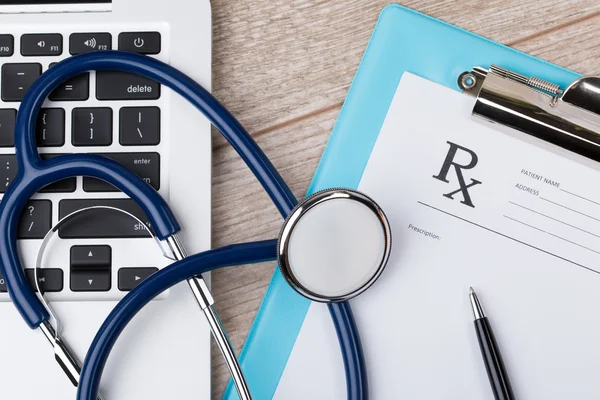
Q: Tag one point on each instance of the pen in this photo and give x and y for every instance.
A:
(489, 351)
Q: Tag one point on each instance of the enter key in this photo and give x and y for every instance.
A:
(144, 165)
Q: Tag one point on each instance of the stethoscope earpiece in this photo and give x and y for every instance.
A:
(344, 234)
(334, 245)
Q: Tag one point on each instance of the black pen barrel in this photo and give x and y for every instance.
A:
(493, 361)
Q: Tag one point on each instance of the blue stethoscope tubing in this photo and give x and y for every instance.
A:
(35, 173)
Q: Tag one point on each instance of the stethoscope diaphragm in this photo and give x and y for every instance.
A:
(334, 245)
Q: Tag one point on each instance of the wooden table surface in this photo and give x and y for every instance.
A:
(284, 67)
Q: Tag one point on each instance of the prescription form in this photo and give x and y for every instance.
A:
(468, 206)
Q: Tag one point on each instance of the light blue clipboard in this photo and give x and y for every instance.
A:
(403, 40)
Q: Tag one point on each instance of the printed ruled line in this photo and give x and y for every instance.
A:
(581, 197)
(509, 237)
(552, 234)
(570, 209)
(553, 219)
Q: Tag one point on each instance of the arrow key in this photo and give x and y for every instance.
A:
(51, 279)
(97, 257)
(129, 278)
(91, 268)
(90, 281)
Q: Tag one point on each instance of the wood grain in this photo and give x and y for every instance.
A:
(284, 69)
(278, 60)
(575, 47)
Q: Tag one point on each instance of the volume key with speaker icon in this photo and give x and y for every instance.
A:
(86, 42)
(41, 44)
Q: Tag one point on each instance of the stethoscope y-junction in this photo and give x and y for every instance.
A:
(35, 173)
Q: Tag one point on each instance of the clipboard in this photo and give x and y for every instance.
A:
(403, 41)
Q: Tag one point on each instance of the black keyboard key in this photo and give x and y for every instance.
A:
(92, 127)
(50, 128)
(42, 44)
(102, 223)
(65, 186)
(115, 85)
(2, 284)
(8, 170)
(86, 42)
(7, 45)
(90, 281)
(140, 42)
(144, 165)
(35, 220)
(139, 126)
(17, 78)
(129, 278)
(50, 279)
(8, 117)
(75, 89)
(90, 268)
(91, 257)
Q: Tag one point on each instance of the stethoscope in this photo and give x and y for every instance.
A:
(332, 246)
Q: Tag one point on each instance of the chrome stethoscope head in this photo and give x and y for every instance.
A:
(334, 245)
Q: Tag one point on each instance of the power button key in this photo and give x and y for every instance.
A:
(140, 42)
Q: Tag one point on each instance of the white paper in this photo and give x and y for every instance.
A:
(529, 245)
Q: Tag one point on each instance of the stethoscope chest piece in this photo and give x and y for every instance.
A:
(334, 245)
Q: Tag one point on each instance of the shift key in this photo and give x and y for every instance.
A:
(101, 223)
(115, 85)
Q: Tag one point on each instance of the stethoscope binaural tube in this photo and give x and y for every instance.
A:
(35, 173)
(30, 307)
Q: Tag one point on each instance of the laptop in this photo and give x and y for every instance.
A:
(165, 352)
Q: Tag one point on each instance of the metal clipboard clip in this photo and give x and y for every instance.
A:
(568, 118)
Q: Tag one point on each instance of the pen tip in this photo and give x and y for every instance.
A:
(477, 310)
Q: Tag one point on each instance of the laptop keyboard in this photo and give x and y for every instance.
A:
(113, 114)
